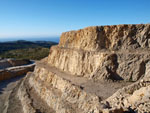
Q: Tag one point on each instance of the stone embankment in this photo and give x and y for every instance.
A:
(10, 68)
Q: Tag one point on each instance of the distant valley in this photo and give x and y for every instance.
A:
(22, 49)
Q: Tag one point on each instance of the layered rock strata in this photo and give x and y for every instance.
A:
(6, 63)
(12, 68)
(102, 69)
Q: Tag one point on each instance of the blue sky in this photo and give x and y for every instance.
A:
(43, 18)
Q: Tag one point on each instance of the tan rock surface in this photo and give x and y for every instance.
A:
(5, 63)
(15, 71)
(108, 37)
(102, 69)
(116, 65)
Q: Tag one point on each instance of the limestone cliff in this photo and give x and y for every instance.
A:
(122, 51)
(115, 37)
(102, 69)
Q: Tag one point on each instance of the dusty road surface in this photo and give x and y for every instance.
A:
(6, 87)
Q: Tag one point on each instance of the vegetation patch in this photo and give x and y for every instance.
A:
(25, 49)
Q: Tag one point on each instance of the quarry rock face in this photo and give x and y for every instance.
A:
(101, 69)
(6, 74)
(10, 68)
(120, 50)
(115, 37)
(6, 63)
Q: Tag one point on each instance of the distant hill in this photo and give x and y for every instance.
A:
(31, 39)
(22, 49)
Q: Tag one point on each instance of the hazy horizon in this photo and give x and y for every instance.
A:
(53, 39)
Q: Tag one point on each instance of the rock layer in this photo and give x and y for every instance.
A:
(116, 65)
(108, 37)
(10, 68)
(102, 69)
(5, 63)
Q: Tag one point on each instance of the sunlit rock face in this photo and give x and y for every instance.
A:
(115, 37)
(101, 69)
(121, 51)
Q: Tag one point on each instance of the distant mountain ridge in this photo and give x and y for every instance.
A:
(32, 39)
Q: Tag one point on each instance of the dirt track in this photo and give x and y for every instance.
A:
(6, 88)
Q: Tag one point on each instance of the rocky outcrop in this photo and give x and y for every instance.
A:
(93, 50)
(102, 64)
(5, 63)
(102, 69)
(17, 71)
(115, 37)
(10, 68)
